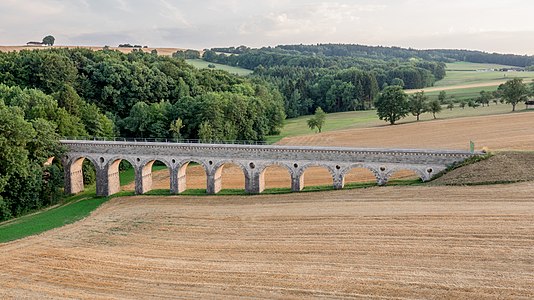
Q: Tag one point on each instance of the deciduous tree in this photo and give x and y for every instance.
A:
(392, 104)
(418, 104)
(318, 119)
(513, 92)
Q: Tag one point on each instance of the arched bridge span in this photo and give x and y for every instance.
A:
(253, 160)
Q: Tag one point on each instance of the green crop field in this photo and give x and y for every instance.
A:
(466, 73)
(202, 64)
(466, 80)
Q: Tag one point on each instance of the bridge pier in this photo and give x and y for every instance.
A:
(107, 179)
(339, 181)
(178, 179)
(143, 178)
(73, 176)
(297, 182)
(214, 182)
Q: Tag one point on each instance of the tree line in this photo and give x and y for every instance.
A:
(393, 103)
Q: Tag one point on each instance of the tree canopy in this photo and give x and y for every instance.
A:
(392, 104)
(513, 91)
(49, 40)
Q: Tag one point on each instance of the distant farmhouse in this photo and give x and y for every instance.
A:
(33, 44)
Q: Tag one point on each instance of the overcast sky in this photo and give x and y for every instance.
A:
(490, 25)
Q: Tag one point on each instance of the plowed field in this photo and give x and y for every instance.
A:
(391, 242)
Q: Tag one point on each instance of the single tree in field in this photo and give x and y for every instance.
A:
(450, 105)
(462, 104)
(318, 119)
(513, 92)
(49, 40)
(418, 104)
(434, 107)
(442, 97)
(392, 104)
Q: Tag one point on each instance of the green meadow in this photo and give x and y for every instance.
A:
(202, 64)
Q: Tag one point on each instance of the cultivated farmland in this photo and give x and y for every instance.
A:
(387, 242)
(408, 242)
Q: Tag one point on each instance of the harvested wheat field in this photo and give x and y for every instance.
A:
(392, 242)
(498, 132)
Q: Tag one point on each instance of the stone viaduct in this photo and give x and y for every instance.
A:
(253, 160)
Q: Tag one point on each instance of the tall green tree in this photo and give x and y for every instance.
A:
(318, 120)
(392, 104)
(418, 104)
(49, 40)
(513, 92)
(442, 97)
(434, 107)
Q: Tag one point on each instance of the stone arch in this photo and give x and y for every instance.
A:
(143, 174)
(73, 170)
(179, 173)
(299, 174)
(345, 172)
(418, 171)
(263, 169)
(215, 176)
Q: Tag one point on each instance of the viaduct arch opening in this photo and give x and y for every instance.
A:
(276, 176)
(191, 175)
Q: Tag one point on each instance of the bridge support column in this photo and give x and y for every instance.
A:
(297, 182)
(254, 183)
(177, 182)
(110, 182)
(143, 178)
(73, 176)
(214, 184)
(339, 181)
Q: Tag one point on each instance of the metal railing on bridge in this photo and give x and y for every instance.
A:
(165, 140)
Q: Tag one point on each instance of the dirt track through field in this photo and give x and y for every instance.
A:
(392, 242)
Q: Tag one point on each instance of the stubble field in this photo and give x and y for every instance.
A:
(393, 242)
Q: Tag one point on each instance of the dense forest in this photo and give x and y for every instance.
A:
(340, 77)
(49, 94)
(329, 76)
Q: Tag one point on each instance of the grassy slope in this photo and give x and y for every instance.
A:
(72, 209)
(201, 64)
(463, 73)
